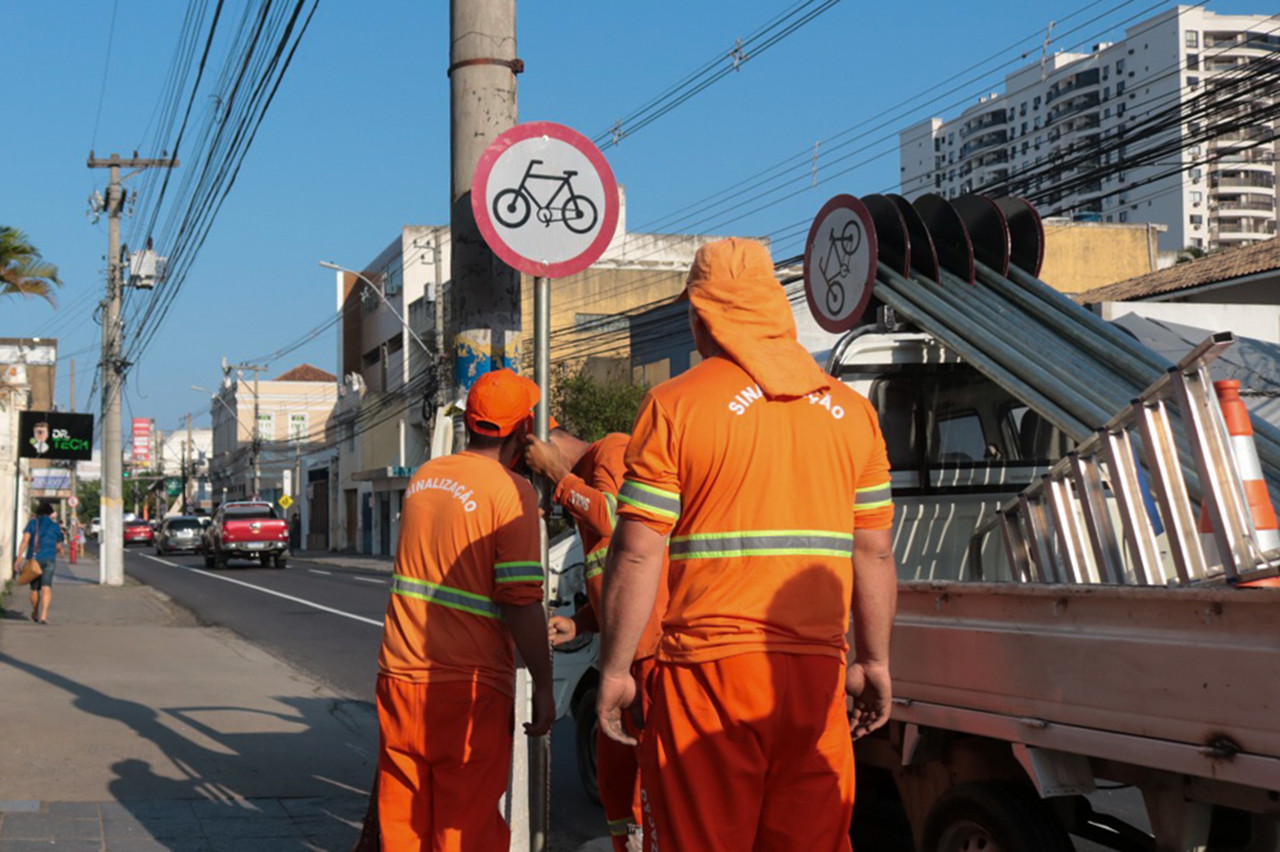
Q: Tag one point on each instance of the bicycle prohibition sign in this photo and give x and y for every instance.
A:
(511, 207)
(835, 266)
(840, 263)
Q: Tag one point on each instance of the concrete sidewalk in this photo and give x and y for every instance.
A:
(383, 564)
(129, 727)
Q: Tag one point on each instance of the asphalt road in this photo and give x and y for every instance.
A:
(326, 620)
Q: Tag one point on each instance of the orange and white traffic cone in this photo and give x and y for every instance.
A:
(1245, 452)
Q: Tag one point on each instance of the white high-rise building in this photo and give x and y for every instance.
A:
(1070, 132)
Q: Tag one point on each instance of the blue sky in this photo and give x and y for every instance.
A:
(356, 143)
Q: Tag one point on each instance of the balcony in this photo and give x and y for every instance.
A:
(985, 121)
(988, 139)
(1262, 205)
(1075, 105)
(1242, 180)
(1075, 82)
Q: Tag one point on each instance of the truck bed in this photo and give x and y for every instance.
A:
(1186, 680)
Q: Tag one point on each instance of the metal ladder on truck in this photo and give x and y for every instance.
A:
(1087, 519)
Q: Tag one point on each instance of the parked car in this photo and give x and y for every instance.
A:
(138, 531)
(179, 533)
(249, 529)
(95, 528)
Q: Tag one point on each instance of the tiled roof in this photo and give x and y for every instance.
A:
(305, 373)
(1233, 263)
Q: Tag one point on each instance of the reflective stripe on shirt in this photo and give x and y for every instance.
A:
(650, 499)
(594, 562)
(517, 572)
(445, 596)
(761, 543)
(873, 497)
(612, 502)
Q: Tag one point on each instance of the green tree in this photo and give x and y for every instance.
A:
(22, 270)
(89, 492)
(592, 408)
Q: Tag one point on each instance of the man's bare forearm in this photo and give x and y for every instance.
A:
(875, 596)
(630, 589)
(528, 626)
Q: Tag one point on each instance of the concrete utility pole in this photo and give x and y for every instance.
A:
(484, 316)
(485, 294)
(111, 537)
(188, 458)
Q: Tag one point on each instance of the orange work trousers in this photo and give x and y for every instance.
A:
(443, 762)
(618, 765)
(749, 753)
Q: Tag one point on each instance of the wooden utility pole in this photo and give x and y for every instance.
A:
(485, 294)
(111, 509)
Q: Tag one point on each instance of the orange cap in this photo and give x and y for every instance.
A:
(500, 401)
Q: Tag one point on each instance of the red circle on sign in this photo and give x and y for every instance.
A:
(480, 206)
(859, 211)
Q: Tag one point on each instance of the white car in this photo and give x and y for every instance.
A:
(95, 527)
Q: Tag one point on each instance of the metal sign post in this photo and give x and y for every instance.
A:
(546, 202)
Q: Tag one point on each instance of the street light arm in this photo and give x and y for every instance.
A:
(403, 322)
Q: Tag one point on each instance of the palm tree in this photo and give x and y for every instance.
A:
(22, 270)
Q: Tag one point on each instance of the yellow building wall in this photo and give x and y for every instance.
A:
(1079, 256)
(597, 291)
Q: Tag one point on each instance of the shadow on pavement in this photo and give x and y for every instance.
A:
(219, 801)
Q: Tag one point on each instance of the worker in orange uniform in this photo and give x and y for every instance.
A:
(587, 478)
(467, 584)
(772, 481)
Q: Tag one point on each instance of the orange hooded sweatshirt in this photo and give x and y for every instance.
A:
(734, 292)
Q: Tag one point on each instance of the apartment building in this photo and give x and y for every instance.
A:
(1172, 125)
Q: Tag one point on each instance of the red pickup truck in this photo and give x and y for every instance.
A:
(246, 530)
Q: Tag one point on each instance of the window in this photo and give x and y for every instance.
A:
(1196, 197)
(1192, 39)
(351, 436)
(1193, 82)
(1119, 88)
(1124, 216)
(1196, 173)
(298, 427)
(1193, 62)
(1106, 93)
(1119, 110)
(1120, 66)
(266, 427)
(1035, 102)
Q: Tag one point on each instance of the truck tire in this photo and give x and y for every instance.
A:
(992, 817)
(279, 561)
(208, 559)
(584, 736)
(220, 559)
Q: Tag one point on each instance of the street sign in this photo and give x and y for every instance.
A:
(173, 486)
(285, 501)
(73, 501)
(545, 199)
(840, 263)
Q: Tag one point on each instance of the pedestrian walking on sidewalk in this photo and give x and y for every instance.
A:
(586, 478)
(771, 480)
(41, 541)
(466, 589)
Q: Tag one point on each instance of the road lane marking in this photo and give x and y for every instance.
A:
(302, 601)
(380, 582)
(318, 571)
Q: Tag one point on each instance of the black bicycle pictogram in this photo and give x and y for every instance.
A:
(842, 249)
(512, 207)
